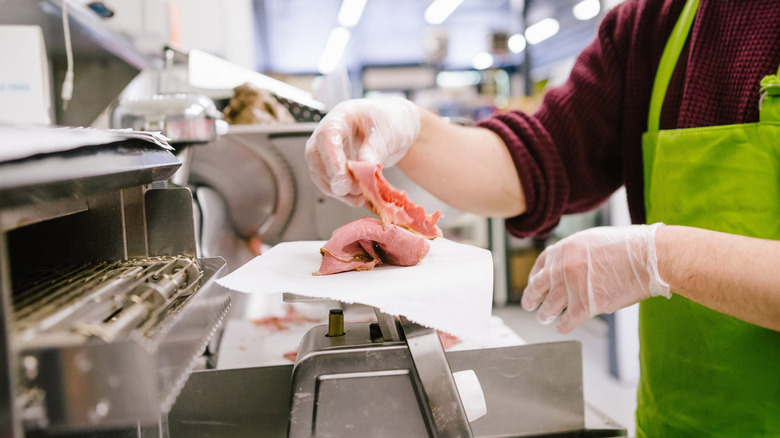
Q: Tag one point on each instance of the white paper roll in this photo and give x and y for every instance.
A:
(471, 394)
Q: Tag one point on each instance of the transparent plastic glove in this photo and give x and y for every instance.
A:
(599, 270)
(375, 130)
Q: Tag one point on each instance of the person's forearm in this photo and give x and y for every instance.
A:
(732, 274)
(468, 168)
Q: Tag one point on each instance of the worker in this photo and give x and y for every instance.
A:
(680, 103)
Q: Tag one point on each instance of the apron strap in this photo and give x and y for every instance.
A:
(671, 52)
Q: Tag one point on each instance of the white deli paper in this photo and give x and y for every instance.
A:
(22, 141)
(450, 290)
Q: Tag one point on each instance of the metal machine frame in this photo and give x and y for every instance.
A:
(106, 308)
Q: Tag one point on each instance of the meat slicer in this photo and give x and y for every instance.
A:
(342, 373)
(388, 376)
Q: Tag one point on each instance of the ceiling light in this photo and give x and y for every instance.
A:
(586, 9)
(334, 48)
(516, 43)
(439, 10)
(482, 60)
(457, 79)
(541, 31)
(350, 12)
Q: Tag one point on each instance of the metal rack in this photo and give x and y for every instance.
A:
(109, 299)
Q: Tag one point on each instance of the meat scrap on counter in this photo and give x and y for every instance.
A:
(447, 340)
(277, 324)
(291, 355)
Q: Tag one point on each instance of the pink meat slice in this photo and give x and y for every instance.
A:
(365, 243)
(393, 206)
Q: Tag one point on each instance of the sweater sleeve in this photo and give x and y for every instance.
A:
(567, 154)
(541, 172)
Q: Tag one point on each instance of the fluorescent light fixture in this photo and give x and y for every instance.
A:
(210, 72)
(516, 43)
(350, 12)
(482, 60)
(334, 49)
(457, 79)
(586, 9)
(541, 31)
(439, 10)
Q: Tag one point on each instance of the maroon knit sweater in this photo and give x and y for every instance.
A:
(585, 140)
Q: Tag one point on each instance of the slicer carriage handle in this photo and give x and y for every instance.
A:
(449, 416)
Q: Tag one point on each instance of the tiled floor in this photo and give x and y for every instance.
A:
(614, 398)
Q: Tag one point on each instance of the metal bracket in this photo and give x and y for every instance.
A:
(389, 326)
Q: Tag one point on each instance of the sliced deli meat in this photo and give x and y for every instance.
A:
(365, 243)
(393, 206)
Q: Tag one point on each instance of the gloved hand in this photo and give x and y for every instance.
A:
(599, 270)
(379, 131)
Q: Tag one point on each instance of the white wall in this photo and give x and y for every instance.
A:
(224, 28)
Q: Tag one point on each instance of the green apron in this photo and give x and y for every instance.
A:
(705, 373)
